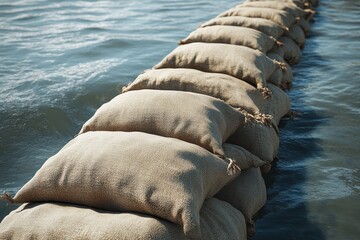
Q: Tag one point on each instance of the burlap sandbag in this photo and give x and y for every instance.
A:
(219, 220)
(297, 34)
(282, 77)
(260, 140)
(290, 51)
(139, 172)
(232, 35)
(191, 117)
(305, 26)
(243, 158)
(241, 62)
(287, 7)
(299, 3)
(233, 91)
(246, 193)
(263, 25)
(278, 16)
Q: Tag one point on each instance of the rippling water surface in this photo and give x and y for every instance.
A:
(60, 60)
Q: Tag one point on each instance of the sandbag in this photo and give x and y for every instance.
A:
(282, 77)
(241, 62)
(232, 35)
(219, 220)
(191, 117)
(259, 140)
(278, 16)
(247, 193)
(233, 91)
(243, 158)
(290, 51)
(263, 25)
(287, 7)
(119, 171)
(297, 34)
(299, 3)
(305, 26)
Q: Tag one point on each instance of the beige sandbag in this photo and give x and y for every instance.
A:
(139, 172)
(241, 62)
(279, 104)
(282, 77)
(191, 117)
(305, 26)
(290, 51)
(263, 25)
(299, 3)
(243, 158)
(219, 220)
(233, 91)
(288, 7)
(232, 35)
(246, 193)
(261, 141)
(297, 34)
(278, 16)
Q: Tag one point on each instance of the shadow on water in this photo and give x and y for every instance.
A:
(285, 215)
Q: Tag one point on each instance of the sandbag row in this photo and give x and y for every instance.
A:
(181, 152)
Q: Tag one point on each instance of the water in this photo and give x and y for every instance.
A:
(60, 60)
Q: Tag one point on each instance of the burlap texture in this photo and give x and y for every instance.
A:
(297, 34)
(287, 7)
(305, 26)
(219, 220)
(191, 117)
(263, 25)
(139, 172)
(299, 3)
(278, 16)
(282, 77)
(292, 52)
(243, 158)
(260, 140)
(233, 91)
(279, 104)
(241, 62)
(246, 193)
(232, 35)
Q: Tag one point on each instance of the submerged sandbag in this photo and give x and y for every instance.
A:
(287, 7)
(278, 16)
(119, 171)
(263, 25)
(191, 117)
(247, 193)
(241, 62)
(232, 35)
(219, 220)
(297, 34)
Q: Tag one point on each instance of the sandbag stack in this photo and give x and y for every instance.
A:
(181, 152)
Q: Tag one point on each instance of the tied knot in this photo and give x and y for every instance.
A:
(5, 196)
(232, 167)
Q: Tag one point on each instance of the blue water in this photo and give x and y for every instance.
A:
(60, 60)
